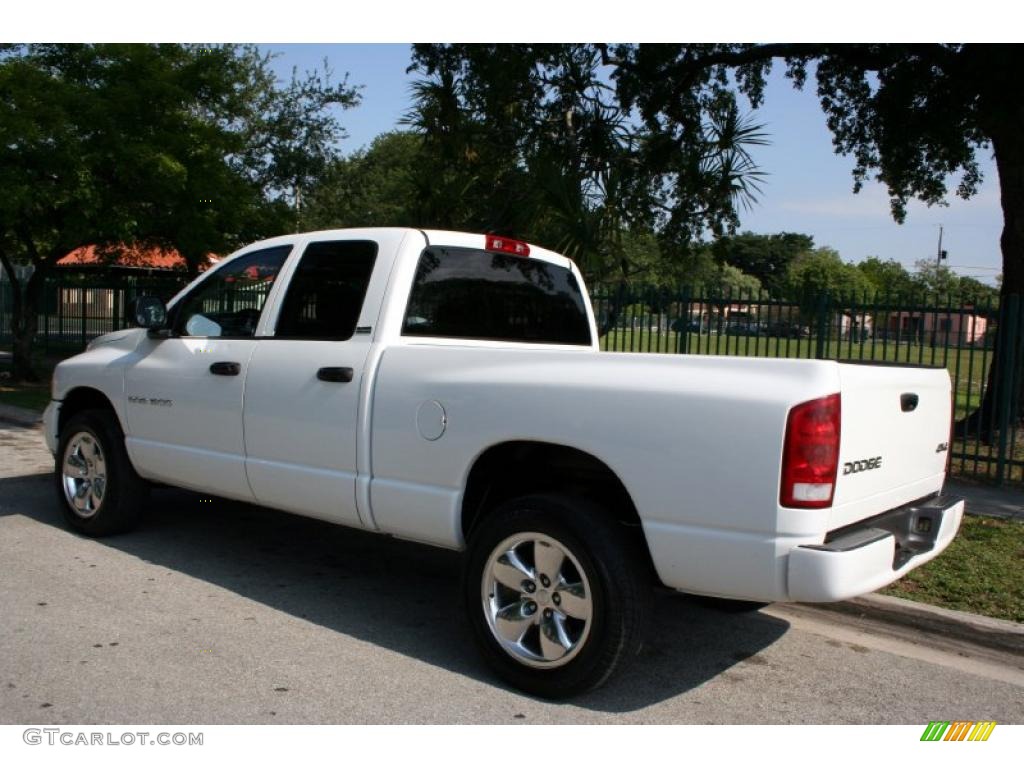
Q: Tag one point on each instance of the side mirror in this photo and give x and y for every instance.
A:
(150, 312)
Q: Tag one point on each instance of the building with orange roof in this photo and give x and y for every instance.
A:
(135, 259)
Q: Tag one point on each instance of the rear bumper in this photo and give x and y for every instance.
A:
(874, 552)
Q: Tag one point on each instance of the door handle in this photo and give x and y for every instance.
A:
(225, 369)
(335, 374)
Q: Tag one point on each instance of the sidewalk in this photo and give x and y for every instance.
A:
(989, 500)
(12, 414)
(23, 417)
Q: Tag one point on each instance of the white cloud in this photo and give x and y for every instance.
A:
(872, 202)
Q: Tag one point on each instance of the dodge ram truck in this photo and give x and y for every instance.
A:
(449, 388)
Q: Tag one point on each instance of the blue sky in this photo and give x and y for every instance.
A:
(808, 187)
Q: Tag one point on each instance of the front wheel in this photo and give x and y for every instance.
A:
(97, 487)
(556, 592)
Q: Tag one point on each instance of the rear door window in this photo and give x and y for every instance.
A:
(465, 293)
(326, 292)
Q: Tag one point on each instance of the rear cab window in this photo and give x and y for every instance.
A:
(466, 293)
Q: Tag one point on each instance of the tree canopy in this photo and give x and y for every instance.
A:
(821, 271)
(373, 187)
(193, 147)
(766, 257)
(574, 144)
(888, 277)
(535, 140)
(913, 116)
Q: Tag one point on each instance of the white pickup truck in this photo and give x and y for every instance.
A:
(449, 388)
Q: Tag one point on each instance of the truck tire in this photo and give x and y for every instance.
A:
(556, 592)
(97, 487)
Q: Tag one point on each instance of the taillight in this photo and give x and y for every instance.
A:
(505, 245)
(810, 456)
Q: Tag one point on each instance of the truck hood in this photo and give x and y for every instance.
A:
(127, 338)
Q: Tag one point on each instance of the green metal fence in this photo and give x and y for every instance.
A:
(922, 330)
(75, 310)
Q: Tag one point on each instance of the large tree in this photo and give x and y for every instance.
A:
(533, 140)
(888, 277)
(373, 187)
(914, 117)
(655, 129)
(766, 257)
(911, 115)
(192, 147)
(822, 272)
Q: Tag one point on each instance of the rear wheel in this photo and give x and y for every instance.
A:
(97, 487)
(556, 592)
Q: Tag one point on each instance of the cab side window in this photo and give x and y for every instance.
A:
(228, 303)
(326, 292)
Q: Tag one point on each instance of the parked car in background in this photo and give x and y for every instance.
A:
(681, 324)
(745, 329)
(786, 330)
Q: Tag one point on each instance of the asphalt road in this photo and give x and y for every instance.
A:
(217, 612)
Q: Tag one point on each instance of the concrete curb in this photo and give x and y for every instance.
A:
(23, 417)
(996, 634)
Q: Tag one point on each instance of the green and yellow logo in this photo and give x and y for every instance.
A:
(958, 730)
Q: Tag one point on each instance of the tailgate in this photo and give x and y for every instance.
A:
(894, 438)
